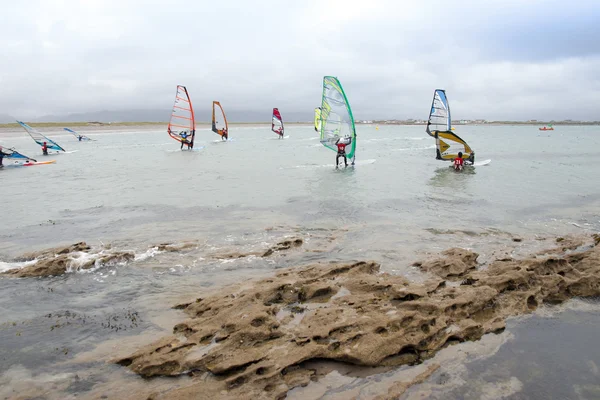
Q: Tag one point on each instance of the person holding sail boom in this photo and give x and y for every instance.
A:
(184, 136)
(459, 162)
(341, 146)
(224, 134)
(45, 149)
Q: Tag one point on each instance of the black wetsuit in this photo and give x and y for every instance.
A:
(1, 158)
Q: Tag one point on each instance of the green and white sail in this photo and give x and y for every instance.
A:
(317, 119)
(337, 122)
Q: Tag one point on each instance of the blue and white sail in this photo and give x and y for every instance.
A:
(40, 139)
(14, 155)
(77, 135)
(439, 116)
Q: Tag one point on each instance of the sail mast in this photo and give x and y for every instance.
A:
(39, 138)
(182, 124)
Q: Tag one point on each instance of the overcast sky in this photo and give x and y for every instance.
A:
(497, 59)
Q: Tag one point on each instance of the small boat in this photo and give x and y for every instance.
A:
(546, 128)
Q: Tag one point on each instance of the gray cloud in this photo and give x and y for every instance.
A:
(497, 59)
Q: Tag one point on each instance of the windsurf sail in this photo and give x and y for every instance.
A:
(336, 120)
(448, 144)
(182, 125)
(39, 138)
(77, 135)
(439, 116)
(317, 119)
(219, 121)
(277, 122)
(13, 154)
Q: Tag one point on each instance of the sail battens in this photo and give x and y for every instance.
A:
(182, 111)
(77, 135)
(219, 120)
(439, 125)
(335, 119)
(39, 138)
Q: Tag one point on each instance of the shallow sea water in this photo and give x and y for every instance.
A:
(135, 189)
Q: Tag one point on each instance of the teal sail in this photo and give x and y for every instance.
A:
(336, 121)
(39, 138)
(77, 135)
(13, 154)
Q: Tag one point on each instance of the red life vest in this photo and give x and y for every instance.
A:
(341, 147)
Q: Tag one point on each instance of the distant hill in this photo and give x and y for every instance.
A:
(163, 115)
(6, 119)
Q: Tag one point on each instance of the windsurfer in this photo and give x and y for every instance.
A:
(80, 137)
(224, 134)
(341, 146)
(471, 159)
(45, 149)
(184, 140)
(459, 162)
(1, 157)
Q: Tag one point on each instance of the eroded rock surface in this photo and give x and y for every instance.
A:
(283, 245)
(252, 341)
(452, 264)
(57, 261)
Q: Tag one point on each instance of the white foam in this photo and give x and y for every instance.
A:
(7, 266)
(150, 253)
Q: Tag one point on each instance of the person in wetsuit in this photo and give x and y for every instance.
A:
(459, 162)
(184, 136)
(341, 150)
(471, 159)
(2, 154)
(45, 149)
(224, 135)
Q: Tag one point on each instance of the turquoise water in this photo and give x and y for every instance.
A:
(134, 190)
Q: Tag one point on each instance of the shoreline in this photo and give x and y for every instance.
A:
(263, 337)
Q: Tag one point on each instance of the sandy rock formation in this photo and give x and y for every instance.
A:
(452, 264)
(251, 341)
(57, 261)
(281, 246)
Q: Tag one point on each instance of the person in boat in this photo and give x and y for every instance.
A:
(45, 149)
(459, 162)
(224, 134)
(341, 150)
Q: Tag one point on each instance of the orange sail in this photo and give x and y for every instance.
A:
(219, 121)
(182, 125)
